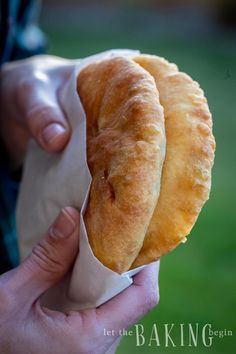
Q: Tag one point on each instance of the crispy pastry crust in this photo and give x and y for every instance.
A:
(125, 150)
(186, 174)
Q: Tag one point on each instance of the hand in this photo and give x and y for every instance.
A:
(30, 105)
(27, 327)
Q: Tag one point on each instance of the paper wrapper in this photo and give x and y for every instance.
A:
(53, 181)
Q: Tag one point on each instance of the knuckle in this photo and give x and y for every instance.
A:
(23, 87)
(45, 257)
(25, 84)
(38, 112)
(90, 322)
(89, 327)
(31, 102)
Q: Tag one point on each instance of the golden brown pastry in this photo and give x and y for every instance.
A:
(190, 145)
(127, 224)
(125, 151)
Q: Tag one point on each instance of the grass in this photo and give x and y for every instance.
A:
(197, 280)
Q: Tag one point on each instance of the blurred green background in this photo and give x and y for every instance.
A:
(197, 280)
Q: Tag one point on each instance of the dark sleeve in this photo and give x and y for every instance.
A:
(20, 35)
(9, 183)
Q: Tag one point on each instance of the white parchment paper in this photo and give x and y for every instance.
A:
(52, 181)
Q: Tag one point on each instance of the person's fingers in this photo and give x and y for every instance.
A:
(133, 303)
(39, 106)
(50, 259)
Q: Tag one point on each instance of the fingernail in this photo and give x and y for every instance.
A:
(51, 132)
(64, 226)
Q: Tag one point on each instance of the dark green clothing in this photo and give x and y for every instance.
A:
(20, 38)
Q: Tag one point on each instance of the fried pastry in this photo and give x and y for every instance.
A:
(150, 151)
(125, 153)
(186, 174)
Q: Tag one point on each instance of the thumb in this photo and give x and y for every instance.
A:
(39, 107)
(50, 259)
